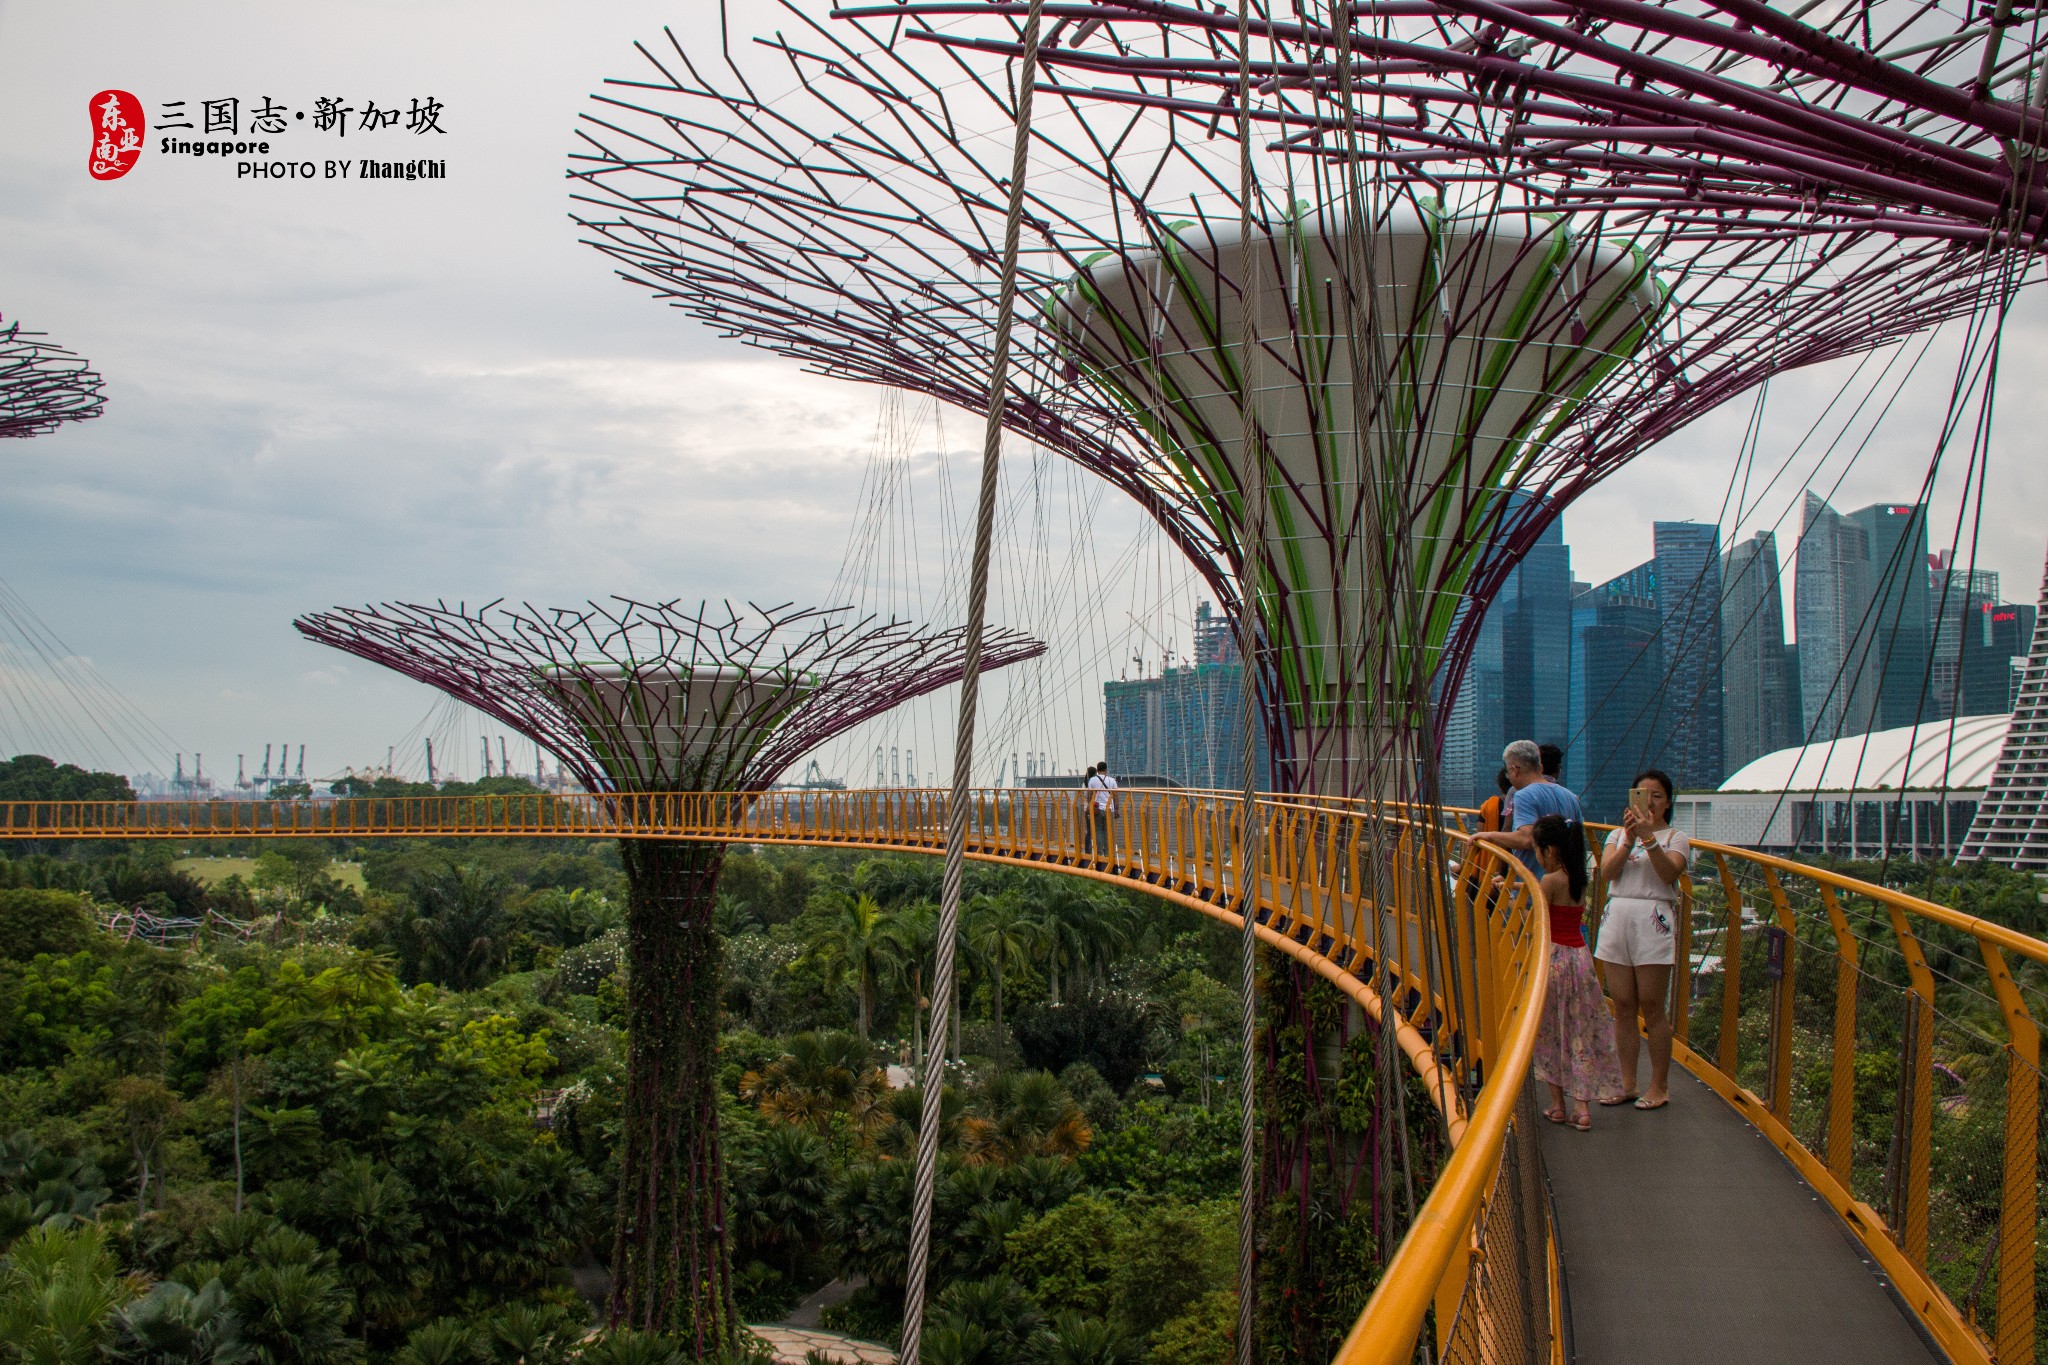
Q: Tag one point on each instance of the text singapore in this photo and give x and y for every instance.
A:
(178, 146)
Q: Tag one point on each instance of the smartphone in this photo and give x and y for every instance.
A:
(1639, 801)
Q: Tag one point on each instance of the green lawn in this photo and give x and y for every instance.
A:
(211, 870)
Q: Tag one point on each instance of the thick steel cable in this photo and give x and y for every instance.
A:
(934, 1076)
(1253, 459)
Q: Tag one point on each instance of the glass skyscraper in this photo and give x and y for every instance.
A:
(1899, 629)
(1759, 673)
(1832, 589)
(1617, 715)
(1976, 637)
(1185, 725)
(1518, 683)
(1688, 584)
(1955, 597)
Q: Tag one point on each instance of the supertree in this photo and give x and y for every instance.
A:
(640, 697)
(42, 386)
(1434, 364)
(851, 222)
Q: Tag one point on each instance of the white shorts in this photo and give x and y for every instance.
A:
(1637, 933)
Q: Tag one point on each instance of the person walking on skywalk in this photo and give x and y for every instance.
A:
(1101, 811)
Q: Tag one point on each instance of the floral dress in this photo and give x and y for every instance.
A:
(1575, 1046)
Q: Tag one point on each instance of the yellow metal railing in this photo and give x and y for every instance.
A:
(1442, 940)
(1890, 1047)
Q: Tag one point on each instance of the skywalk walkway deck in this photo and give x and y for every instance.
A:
(1687, 1238)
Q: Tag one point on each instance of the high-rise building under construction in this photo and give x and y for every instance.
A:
(1186, 724)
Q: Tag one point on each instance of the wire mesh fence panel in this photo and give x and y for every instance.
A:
(1503, 1313)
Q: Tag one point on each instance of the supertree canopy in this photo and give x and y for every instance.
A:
(657, 697)
(834, 193)
(42, 386)
(1479, 352)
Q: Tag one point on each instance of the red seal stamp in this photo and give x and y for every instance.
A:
(116, 134)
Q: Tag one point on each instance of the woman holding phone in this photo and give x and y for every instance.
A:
(1641, 864)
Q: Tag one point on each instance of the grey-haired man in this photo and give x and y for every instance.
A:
(1534, 799)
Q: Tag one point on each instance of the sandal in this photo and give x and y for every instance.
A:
(1645, 1104)
(1555, 1115)
(1620, 1100)
(1583, 1123)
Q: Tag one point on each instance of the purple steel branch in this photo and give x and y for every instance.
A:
(1582, 99)
(510, 663)
(850, 222)
(43, 386)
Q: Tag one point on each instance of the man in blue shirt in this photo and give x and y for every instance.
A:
(1535, 797)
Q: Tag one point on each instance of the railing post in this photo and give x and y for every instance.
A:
(1916, 1098)
(1728, 1057)
(2019, 1199)
(1841, 1138)
(1682, 970)
(1297, 853)
(1781, 956)
(1488, 912)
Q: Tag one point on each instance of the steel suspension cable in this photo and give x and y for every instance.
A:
(933, 1079)
(1253, 459)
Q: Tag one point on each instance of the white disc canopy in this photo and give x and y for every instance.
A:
(678, 726)
(1480, 344)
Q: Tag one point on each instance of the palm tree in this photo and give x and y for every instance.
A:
(1024, 1114)
(365, 1216)
(859, 946)
(782, 1204)
(461, 928)
(1000, 937)
(916, 929)
(897, 881)
(904, 1111)
(152, 982)
(1081, 932)
(821, 1074)
(57, 1287)
(171, 1325)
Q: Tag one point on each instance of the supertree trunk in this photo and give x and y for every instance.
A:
(1320, 1228)
(671, 1257)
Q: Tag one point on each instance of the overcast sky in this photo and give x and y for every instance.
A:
(330, 392)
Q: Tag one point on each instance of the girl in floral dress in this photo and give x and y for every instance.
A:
(1575, 1053)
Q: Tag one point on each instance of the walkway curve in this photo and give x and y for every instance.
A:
(1415, 924)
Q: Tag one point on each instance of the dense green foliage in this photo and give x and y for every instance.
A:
(31, 777)
(374, 1123)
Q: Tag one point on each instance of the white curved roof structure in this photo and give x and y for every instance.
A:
(1937, 756)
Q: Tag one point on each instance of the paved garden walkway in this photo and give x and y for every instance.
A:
(792, 1345)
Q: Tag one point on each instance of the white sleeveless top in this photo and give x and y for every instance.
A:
(1637, 880)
